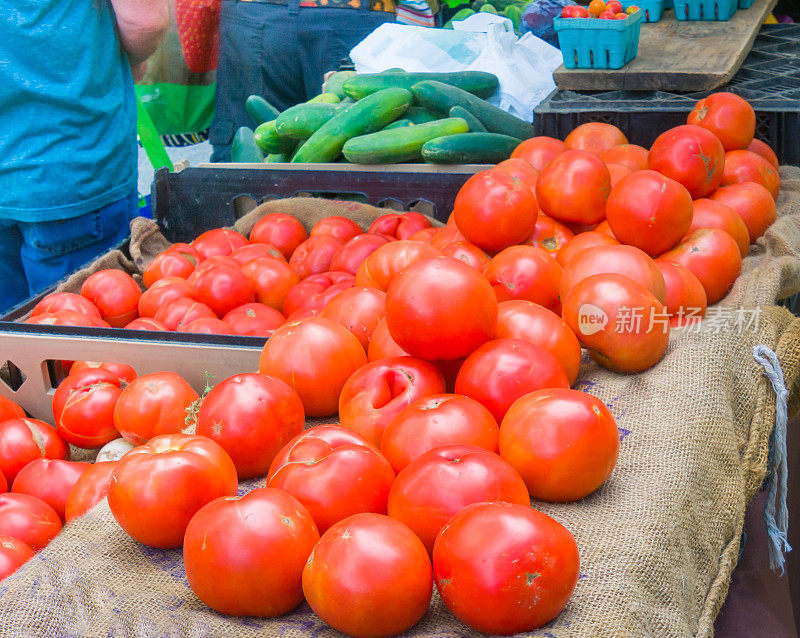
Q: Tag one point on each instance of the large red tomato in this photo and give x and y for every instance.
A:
(564, 443)
(536, 324)
(280, 230)
(765, 151)
(50, 480)
(501, 371)
(91, 488)
(167, 264)
(622, 324)
(378, 391)
(574, 187)
(504, 568)
(252, 416)
(537, 151)
(115, 294)
(650, 211)
(692, 156)
(447, 235)
(686, 297)
(381, 344)
(728, 116)
(314, 255)
(341, 228)
(206, 326)
(187, 250)
(550, 235)
(630, 155)
(3, 484)
(521, 169)
(13, 554)
(83, 407)
(525, 272)
(467, 252)
(713, 257)
(352, 254)
(494, 210)
(444, 480)
(67, 318)
(224, 288)
(145, 323)
(29, 519)
(435, 421)
(595, 137)
(359, 310)
(22, 440)
(210, 264)
(255, 251)
(707, 213)
(583, 241)
(272, 280)
(399, 225)
(383, 264)
(752, 202)
(254, 320)
(157, 487)
(56, 301)
(334, 472)
(315, 291)
(746, 166)
(10, 410)
(153, 404)
(369, 575)
(161, 293)
(426, 234)
(181, 312)
(440, 308)
(315, 356)
(219, 241)
(244, 556)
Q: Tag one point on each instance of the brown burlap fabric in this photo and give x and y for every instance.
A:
(658, 541)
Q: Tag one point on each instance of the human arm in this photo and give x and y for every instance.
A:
(141, 24)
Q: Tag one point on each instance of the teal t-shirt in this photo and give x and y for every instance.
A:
(67, 110)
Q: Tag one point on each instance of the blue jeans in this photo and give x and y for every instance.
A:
(280, 52)
(36, 255)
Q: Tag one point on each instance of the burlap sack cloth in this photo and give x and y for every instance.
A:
(658, 542)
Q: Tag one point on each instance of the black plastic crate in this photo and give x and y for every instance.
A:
(769, 79)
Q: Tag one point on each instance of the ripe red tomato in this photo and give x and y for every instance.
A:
(581, 242)
(650, 211)
(537, 151)
(494, 210)
(57, 301)
(521, 578)
(564, 443)
(713, 257)
(630, 155)
(435, 421)
(550, 235)
(341, 228)
(692, 156)
(10, 410)
(315, 291)
(3, 484)
(314, 255)
(447, 235)
(67, 318)
(244, 556)
(469, 253)
(51, 480)
(352, 254)
(210, 264)
(752, 202)
(219, 241)
(315, 356)
(224, 288)
(252, 416)
(521, 169)
(382, 265)
(369, 575)
(617, 172)
(22, 440)
(357, 309)
(594, 137)
(272, 279)
(378, 391)
(28, 519)
(255, 251)
(764, 150)
(440, 308)
(426, 234)
(115, 294)
(686, 297)
(727, 116)
(157, 487)
(91, 488)
(707, 213)
(280, 230)
(501, 371)
(153, 404)
(381, 344)
(145, 323)
(206, 326)
(83, 407)
(181, 312)
(170, 263)
(536, 324)
(125, 372)
(399, 225)
(334, 472)
(746, 166)
(254, 320)
(525, 272)
(13, 554)
(162, 292)
(622, 324)
(187, 250)
(617, 259)
(573, 187)
(604, 228)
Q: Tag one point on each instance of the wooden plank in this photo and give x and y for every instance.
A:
(678, 55)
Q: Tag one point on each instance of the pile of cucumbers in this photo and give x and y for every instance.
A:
(386, 118)
(511, 9)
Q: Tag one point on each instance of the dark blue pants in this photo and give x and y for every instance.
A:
(281, 53)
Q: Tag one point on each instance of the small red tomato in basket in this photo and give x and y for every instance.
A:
(607, 15)
(614, 6)
(631, 9)
(621, 16)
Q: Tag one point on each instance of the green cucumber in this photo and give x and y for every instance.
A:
(475, 125)
(470, 148)
(335, 81)
(365, 116)
(278, 158)
(478, 83)
(400, 145)
(244, 147)
(269, 141)
(487, 8)
(302, 121)
(514, 13)
(439, 97)
(347, 100)
(398, 124)
(466, 12)
(419, 115)
(260, 110)
(324, 98)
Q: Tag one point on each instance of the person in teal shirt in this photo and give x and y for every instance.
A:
(68, 153)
